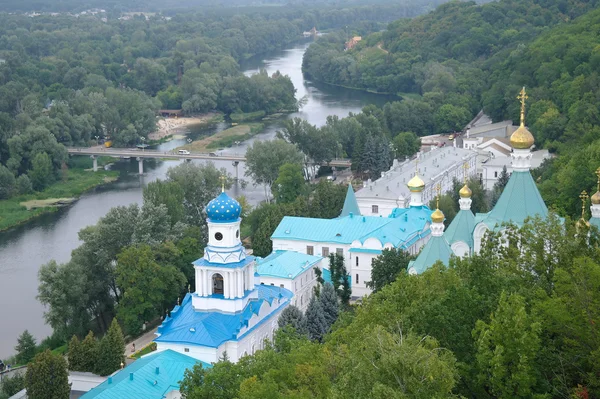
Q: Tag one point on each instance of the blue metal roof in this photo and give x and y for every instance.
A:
(146, 383)
(350, 203)
(286, 264)
(519, 200)
(223, 209)
(204, 262)
(461, 228)
(404, 224)
(595, 222)
(437, 248)
(366, 250)
(212, 328)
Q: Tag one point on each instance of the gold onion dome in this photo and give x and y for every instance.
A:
(416, 184)
(522, 139)
(465, 192)
(596, 198)
(437, 216)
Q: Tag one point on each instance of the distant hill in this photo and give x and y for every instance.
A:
(449, 57)
(174, 5)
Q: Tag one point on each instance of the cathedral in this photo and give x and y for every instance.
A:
(238, 297)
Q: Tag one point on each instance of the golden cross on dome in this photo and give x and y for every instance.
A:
(584, 197)
(522, 97)
(465, 168)
(438, 188)
(223, 180)
(598, 174)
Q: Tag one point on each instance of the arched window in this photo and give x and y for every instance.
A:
(253, 347)
(217, 283)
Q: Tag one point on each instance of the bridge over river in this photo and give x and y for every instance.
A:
(95, 152)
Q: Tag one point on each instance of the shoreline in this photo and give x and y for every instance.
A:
(18, 205)
(170, 126)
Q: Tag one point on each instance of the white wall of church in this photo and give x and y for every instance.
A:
(364, 270)
(173, 395)
(375, 206)
(301, 286)
(203, 353)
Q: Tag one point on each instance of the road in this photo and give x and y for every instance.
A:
(135, 153)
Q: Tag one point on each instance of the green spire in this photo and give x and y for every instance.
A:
(350, 203)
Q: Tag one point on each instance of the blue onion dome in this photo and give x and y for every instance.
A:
(223, 209)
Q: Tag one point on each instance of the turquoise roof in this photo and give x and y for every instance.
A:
(401, 229)
(595, 222)
(223, 209)
(519, 200)
(350, 203)
(234, 265)
(437, 248)
(286, 264)
(211, 328)
(366, 250)
(461, 228)
(146, 383)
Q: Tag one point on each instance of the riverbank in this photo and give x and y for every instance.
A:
(169, 126)
(23, 208)
(225, 138)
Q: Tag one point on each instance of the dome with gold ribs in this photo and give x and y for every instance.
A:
(522, 138)
(465, 192)
(416, 184)
(437, 216)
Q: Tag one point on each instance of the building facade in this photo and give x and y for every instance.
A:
(440, 165)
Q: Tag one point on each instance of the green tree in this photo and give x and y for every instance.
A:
(222, 381)
(507, 349)
(42, 173)
(290, 183)
(447, 205)
(26, 348)
(329, 303)
(111, 351)
(293, 317)
(7, 182)
(385, 365)
(406, 144)
(12, 385)
(147, 287)
(327, 200)
(75, 356)
(23, 185)
(316, 321)
(340, 279)
(169, 194)
(264, 158)
(89, 353)
(47, 377)
(386, 267)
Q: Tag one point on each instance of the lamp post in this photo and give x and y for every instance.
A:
(97, 137)
(143, 139)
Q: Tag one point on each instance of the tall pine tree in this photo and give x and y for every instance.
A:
(315, 320)
(47, 377)
(292, 316)
(111, 351)
(329, 303)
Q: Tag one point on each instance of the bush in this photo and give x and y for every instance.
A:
(12, 385)
(24, 185)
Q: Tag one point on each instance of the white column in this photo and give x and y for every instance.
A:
(198, 280)
(207, 284)
(240, 284)
(231, 285)
(226, 285)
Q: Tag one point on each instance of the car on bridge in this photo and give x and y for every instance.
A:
(183, 152)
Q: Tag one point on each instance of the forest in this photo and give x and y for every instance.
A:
(517, 321)
(65, 80)
(464, 57)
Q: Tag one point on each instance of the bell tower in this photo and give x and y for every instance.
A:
(225, 274)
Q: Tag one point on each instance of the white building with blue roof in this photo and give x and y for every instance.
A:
(359, 239)
(230, 311)
(292, 270)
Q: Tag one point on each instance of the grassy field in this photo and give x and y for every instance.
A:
(14, 211)
(245, 117)
(225, 138)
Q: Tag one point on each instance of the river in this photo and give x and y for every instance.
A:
(24, 249)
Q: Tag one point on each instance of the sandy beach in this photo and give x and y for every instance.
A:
(169, 126)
